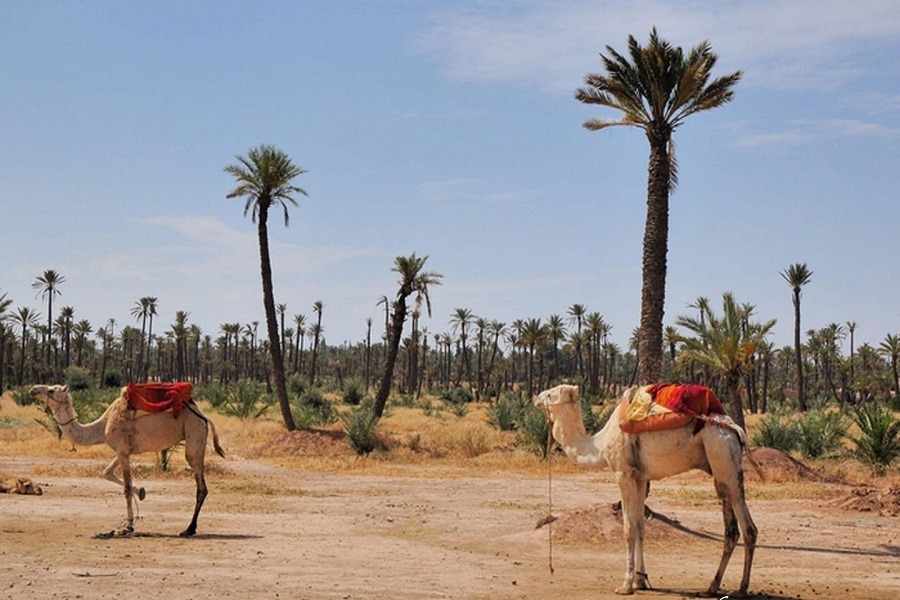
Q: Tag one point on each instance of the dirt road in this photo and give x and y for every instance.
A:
(269, 532)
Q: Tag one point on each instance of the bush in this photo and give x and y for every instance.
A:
(113, 379)
(460, 410)
(879, 443)
(311, 409)
(245, 400)
(594, 421)
(296, 385)
(21, 396)
(458, 395)
(214, 393)
(534, 428)
(354, 391)
(360, 425)
(775, 433)
(820, 432)
(78, 378)
(89, 404)
(506, 413)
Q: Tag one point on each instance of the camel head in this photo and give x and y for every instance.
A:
(55, 397)
(554, 399)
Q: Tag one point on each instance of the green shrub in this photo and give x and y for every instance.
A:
(820, 432)
(354, 391)
(879, 443)
(214, 393)
(296, 385)
(775, 433)
(360, 425)
(534, 429)
(458, 395)
(21, 396)
(506, 413)
(311, 409)
(78, 378)
(245, 400)
(594, 421)
(113, 379)
(89, 404)
(460, 410)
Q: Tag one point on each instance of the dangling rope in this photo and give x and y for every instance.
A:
(550, 517)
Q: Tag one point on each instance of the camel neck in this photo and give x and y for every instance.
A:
(89, 434)
(569, 432)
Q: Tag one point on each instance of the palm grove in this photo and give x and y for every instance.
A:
(654, 88)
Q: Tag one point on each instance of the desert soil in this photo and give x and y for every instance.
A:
(420, 533)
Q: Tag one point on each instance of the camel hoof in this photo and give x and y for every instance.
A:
(626, 589)
(187, 533)
(642, 583)
(142, 493)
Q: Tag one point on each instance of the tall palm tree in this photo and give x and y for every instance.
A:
(576, 314)
(264, 178)
(890, 348)
(179, 332)
(533, 335)
(413, 280)
(797, 275)
(300, 330)
(4, 305)
(556, 328)
(460, 321)
(81, 329)
(48, 285)
(67, 317)
(317, 332)
(656, 90)
(726, 345)
(281, 309)
(24, 318)
(851, 327)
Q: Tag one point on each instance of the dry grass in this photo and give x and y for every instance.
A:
(414, 445)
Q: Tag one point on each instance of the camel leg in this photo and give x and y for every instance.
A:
(633, 495)
(110, 474)
(731, 536)
(194, 455)
(748, 529)
(726, 467)
(128, 528)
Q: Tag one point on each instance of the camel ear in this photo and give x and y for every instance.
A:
(65, 389)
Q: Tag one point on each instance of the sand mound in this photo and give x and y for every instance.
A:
(317, 442)
(779, 466)
(602, 524)
(885, 501)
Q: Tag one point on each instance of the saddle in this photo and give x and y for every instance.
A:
(159, 397)
(667, 406)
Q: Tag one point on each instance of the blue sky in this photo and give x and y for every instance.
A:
(448, 129)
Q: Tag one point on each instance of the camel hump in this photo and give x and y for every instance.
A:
(159, 397)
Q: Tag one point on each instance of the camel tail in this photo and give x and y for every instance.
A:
(212, 426)
(754, 464)
(215, 437)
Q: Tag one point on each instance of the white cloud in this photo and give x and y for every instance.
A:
(802, 131)
(795, 45)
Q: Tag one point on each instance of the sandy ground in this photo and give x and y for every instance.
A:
(269, 532)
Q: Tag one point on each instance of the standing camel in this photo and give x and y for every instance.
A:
(128, 432)
(638, 458)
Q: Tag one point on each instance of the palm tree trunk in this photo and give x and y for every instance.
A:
(801, 392)
(271, 321)
(656, 236)
(390, 357)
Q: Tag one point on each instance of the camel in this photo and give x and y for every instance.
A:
(19, 485)
(129, 432)
(636, 459)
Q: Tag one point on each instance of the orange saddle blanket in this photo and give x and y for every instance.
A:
(667, 406)
(159, 397)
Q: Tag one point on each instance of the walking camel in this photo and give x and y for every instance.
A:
(128, 432)
(638, 458)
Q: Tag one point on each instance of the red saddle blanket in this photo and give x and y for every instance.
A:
(671, 406)
(159, 397)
